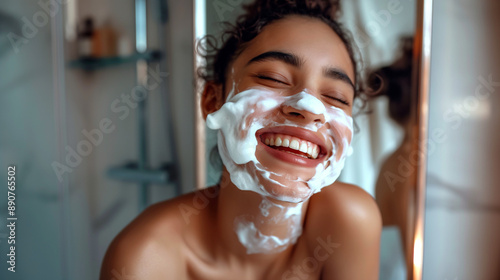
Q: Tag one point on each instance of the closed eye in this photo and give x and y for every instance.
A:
(341, 100)
(270, 79)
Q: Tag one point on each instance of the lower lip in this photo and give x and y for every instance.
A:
(291, 158)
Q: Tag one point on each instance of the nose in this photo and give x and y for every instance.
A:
(305, 116)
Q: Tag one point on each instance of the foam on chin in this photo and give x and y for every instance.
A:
(256, 242)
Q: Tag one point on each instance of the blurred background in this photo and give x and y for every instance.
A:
(98, 113)
(77, 122)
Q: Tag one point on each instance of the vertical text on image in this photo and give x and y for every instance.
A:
(11, 218)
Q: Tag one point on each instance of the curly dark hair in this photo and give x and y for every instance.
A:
(258, 15)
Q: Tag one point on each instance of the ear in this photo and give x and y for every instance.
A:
(212, 98)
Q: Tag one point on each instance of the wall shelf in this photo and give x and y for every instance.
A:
(91, 63)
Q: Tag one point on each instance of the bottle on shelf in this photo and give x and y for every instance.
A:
(85, 38)
(104, 41)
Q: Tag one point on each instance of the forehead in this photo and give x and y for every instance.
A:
(309, 38)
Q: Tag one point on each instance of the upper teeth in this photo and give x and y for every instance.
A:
(280, 140)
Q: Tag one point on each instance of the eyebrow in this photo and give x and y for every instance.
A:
(287, 58)
(294, 60)
(338, 74)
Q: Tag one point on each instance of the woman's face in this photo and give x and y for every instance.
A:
(287, 119)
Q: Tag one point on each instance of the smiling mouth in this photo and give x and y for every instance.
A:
(292, 145)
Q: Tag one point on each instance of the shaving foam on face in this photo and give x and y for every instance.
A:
(238, 120)
(245, 113)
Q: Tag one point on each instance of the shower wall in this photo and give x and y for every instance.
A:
(462, 218)
(64, 235)
(28, 137)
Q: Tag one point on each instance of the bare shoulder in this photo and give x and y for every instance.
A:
(349, 204)
(152, 245)
(347, 216)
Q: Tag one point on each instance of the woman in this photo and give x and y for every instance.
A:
(280, 92)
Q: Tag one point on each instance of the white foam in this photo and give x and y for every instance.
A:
(304, 101)
(256, 242)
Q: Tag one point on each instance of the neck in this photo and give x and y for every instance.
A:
(410, 134)
(251, 225)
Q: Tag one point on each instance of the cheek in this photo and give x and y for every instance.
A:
(258, 118)
(341, 136)
(347, 134)
(245, 125)
(246, 120)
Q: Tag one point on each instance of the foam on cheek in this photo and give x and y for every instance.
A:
(237, 147)
(327, 175)
(230, 121)
(328, 172)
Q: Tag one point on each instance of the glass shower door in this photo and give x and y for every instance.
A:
(32, 133)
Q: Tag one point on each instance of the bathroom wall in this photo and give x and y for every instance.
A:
(28, 137)
(68, 240)
(462, 218)
(110, 204)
